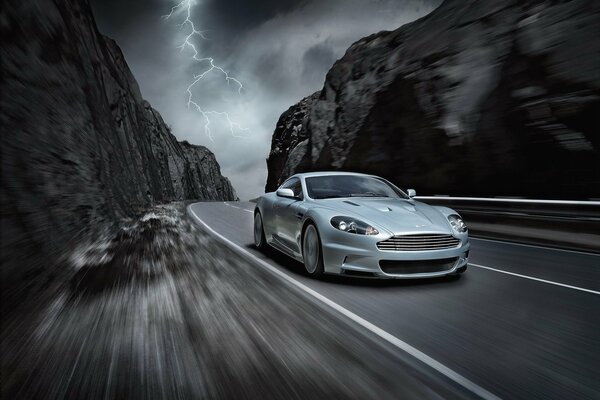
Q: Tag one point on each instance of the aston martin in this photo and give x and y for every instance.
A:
(360, 225)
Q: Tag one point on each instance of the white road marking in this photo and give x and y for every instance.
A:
(536, 246)
(424, 358)
(535, 279)
(243, 209)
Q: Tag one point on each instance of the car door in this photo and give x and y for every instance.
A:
(288, 216)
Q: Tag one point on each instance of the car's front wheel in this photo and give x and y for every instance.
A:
(259, 232)
(312, 251)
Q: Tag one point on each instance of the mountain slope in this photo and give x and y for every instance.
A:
(80, 147)
(476, 98)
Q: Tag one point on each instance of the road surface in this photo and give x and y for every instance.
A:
(522, 322)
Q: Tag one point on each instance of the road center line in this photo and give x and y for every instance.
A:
(535, 279)
(424, 358)
(240, 208)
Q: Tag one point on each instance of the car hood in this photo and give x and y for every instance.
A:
(394, 215)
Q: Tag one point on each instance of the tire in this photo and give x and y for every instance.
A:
(259, 232)
(312, 251)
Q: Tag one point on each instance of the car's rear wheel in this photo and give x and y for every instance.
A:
(312, 253)
(259, 232)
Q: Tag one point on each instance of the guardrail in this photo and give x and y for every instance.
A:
(569, 224)
(513, 200)
(562, 209)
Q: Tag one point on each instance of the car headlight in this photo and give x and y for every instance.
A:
(457, 223)
(353, 225)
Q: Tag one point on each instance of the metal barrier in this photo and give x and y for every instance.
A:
(512, 200)
(555, 209)
(562, 223)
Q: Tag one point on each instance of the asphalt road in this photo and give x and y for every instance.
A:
(522, 322)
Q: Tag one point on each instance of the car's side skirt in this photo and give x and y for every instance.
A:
(277, 245)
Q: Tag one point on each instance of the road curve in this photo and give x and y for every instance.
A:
(521, 323)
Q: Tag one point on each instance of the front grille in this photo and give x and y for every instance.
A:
(419, 242)
(417, 266)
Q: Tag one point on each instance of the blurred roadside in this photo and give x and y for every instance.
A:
(160, 310)
(563, 224)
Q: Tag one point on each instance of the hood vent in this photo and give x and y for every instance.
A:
(351, 203)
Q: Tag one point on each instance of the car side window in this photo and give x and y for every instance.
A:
(295, 185)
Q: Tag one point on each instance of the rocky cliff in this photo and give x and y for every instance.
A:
(477, 98)
(289, 142)
(80, 146)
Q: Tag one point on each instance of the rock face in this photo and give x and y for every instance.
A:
(476, 98)
(80, 147)
(290, 140)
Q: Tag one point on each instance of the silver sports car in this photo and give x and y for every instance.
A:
(360, 225)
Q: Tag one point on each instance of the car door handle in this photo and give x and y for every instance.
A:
(299, 215)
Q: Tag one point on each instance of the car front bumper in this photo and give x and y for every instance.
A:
(358, 255)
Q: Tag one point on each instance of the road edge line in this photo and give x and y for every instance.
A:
(535, 279)
(388, 337)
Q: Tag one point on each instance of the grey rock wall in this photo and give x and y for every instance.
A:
(477, 98)
(289, 142)
(80, 146)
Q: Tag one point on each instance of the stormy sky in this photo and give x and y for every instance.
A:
(280, 50)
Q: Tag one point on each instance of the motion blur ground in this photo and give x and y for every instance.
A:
(160, 310)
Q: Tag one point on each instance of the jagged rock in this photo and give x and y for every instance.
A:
(476, 98)
(80, 146)
(289, 142)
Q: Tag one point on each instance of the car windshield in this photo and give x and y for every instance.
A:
(334, 186)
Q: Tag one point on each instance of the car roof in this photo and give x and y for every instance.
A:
(326, 173)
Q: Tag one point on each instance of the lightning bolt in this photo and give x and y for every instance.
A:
(188, 43)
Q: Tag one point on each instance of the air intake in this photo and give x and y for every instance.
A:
(417, 267)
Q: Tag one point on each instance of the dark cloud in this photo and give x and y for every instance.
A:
(237, 16)
(280, 50)
(313, 60)
(264, 67)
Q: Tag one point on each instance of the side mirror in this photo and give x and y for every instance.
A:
(411, 192)
(286, 193)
